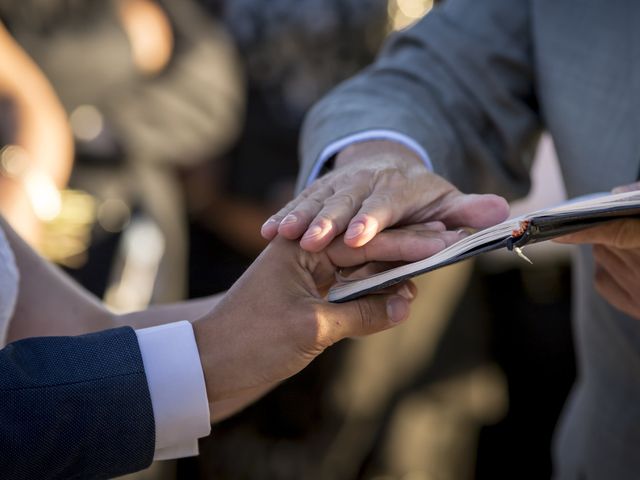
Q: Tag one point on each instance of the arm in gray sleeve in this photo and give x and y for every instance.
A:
(460, 83)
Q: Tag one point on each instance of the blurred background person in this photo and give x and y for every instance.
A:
(149, 87)
(36, 144)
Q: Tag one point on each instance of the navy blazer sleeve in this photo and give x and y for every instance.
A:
(74, 407)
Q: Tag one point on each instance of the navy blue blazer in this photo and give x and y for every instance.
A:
(74, 407)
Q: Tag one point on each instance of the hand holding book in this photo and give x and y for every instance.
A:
(616, 250)
(572, 216)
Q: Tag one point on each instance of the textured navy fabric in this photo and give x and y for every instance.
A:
(74, 407)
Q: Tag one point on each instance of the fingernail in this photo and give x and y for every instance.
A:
(396, 309)
(354, 230)
(269, 222)
(463, 232)
(291, 218)
(313, 231)
(406, 292)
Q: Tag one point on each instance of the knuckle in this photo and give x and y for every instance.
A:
(379, 200)
(289, 207)
(323, 220)
(307, 331)
(627, 234)
(306, 192)
(325, 192)
(390, 177)
(343, 200)
(404, 250)
(310, 204)
(366, 315)
(367, 254)
(380, 205)
(309, 208)
(312, 201)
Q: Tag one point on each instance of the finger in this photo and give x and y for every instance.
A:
(407, 244)
(454, 210)
(435, 225)
(475, 211)
(396, 196)
(333, 218)
(613, 292)
(298, 219)
(627, 188)
(376, 214)
(623, 234)
(367, 315)
(270, 228)
(587, 236)
(615, 262)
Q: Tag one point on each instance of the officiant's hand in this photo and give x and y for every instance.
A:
(616, 250)
(375, 185)
(274, 319)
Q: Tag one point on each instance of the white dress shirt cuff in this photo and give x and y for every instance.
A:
(176, 384)
(333, 148)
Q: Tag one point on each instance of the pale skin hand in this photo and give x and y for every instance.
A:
(374, 185)
(616, 250)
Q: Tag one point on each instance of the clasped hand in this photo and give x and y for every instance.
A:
(274, 320)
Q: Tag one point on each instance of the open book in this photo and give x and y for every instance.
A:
(571, 216)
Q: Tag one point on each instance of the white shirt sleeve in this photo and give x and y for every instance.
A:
(176, 384)
(335, 147)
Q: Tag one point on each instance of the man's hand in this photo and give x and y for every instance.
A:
(375, 185)
(274, 320)
(616, 250)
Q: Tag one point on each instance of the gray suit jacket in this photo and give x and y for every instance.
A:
(474, 83)
(74, 407)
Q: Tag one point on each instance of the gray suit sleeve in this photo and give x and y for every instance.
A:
(74, 407)
(460, 82)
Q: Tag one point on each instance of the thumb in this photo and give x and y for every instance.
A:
(476, 211)
(367, 315)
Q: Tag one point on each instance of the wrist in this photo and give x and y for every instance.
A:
(384, 151)
(201, 334)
